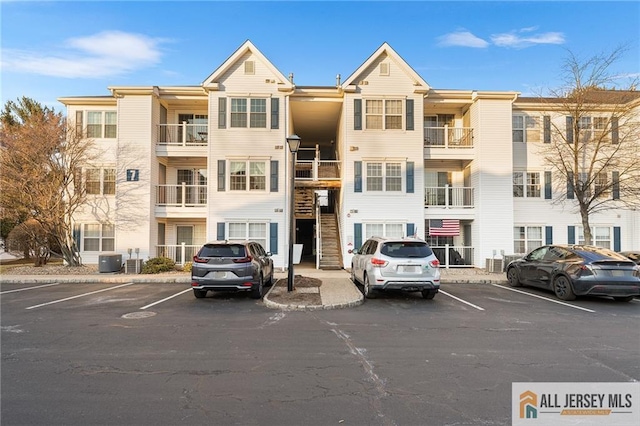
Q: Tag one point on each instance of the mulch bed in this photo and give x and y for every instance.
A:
(306, 291)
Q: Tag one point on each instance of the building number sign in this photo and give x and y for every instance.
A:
(133, 175)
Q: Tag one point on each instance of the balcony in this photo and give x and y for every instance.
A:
(179, 253)
(185, 201)
(182, 140)
(448, 143)
(311, 172)
(458, 202)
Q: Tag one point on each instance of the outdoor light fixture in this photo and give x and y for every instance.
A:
(294, 145)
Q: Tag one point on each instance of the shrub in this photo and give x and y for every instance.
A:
(157, 265)
(187, 266)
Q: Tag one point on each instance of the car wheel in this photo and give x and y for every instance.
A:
(562, 288)
(623, 298)
(269, 282)
(369, 293)
(199, 294)
(429, 294)
(353, 276)
(513, 277)
(256, 291)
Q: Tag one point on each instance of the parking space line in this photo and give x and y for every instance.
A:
(28, 288)
(165, 299)
(79, 295)
(463, 301)
(544, 298)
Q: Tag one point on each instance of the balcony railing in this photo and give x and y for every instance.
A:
(456, 256)
(181, 195)
(179, 253)
(448, 197)
(183, 134)
(317, 169)
(448, 137)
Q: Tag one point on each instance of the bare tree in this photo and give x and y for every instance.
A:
(41, 159)
(594, 138)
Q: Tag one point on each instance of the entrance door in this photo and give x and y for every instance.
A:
(184, 234)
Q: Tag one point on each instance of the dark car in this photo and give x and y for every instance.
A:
(577, 270)
(231, 266)
(633, 255)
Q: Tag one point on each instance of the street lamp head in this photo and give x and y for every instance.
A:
(294, 143)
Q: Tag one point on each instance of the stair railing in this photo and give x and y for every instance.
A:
(318, 233)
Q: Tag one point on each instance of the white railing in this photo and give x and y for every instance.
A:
(183, 134)
(448, 197)
(181, 195)
(448, 137)
(318, 235)
(457, 256)
(179, 253)
(317, 169)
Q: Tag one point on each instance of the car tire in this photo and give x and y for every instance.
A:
(429, 294)
(269, 282)
(199, 294)
(623, 298)
(513, 277)
(562, 288)
(353, 276)
(368, 292)
(257, 290)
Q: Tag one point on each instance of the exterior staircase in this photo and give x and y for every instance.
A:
(304, 202)
(331, 253)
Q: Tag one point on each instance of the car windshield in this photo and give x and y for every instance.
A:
(222, 250)
(406, 249)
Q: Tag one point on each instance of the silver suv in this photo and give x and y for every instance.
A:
(231, 266)
(406, 264)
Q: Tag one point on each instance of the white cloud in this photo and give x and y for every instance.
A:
(463, 39)
(514, 40)
(105, 54)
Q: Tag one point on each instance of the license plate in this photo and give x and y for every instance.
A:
(617, 273)
(219, 274)
(409, 269)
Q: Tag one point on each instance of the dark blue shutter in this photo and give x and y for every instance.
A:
(569, 129)
(547, 129)
(275, 113)
(222, 113)
(273, 237)
(221, 175)
(411, 229)
(410, 179)
(357, 235)
(547, 185)
(548, 232)
(570, 186)
(357, 176)
(220, 236)
(615, 136)
(571, 235)
(616, 238)
(409, 117)
(357, 114)
(615, 176)
(274, 176)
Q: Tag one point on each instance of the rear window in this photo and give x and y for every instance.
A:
(406, 249)
(222, 250)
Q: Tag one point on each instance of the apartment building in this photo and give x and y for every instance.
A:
(382, 153)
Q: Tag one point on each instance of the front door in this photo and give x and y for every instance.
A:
(184, 234)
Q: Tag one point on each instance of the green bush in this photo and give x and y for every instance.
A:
(187, 267)
(157, 265)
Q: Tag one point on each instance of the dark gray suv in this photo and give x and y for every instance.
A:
(231, 266)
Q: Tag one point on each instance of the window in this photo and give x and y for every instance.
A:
(529, 188)
(238, 113)
(100, 181)
(384, 177)
(601, 184)
(252, 231)
(601, 236)
(99, 237)
(390, 230)
(257, 114)
(247, 176)
(525, 128)
(101, 124)
(383, 114)
(526, 238)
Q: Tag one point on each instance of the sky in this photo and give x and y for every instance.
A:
(54, 49)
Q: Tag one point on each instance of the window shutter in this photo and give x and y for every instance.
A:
(274, 176)
(409, 117)
(222, 113)
(357, 235)
(411, 229)
(275, 113)
(616, 238)
(410, 173)
(615, 176)
(548, 232)
(357, 176)
(569, 129)
(547, 185)
(547, 129)
(273, 237)
(79, 125)
(357, 114)
(77, 233)
(615, 136)
(570, 186)
(571, 235)
(220, 231)
(222, 175)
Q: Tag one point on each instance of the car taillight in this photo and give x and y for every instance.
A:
(246, 259)
(435, 263)
(378, 262)
(199, 259)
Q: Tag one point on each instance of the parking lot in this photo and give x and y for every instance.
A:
(153, 354)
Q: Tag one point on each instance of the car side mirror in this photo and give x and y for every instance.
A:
(354, 251)
(268, 254)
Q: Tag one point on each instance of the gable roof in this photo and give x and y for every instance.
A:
(211, 82)
(421, 85)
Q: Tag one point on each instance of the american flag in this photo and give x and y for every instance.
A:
(444, 227)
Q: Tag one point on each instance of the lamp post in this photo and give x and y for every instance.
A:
(294, 144)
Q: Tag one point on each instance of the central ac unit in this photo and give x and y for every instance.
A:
(133, 266)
